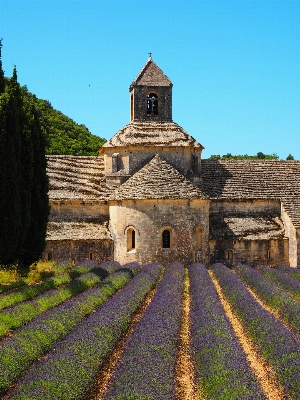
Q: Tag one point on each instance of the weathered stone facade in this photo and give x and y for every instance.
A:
(149, 196)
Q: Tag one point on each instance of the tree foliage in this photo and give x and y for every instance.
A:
(24, 200)
(290, 157)
(64, 136)
(258, 156)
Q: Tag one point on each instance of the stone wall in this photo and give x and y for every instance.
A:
(78, 250)
(149, 218)
(246, 207)
(250, 252)
(78, 210)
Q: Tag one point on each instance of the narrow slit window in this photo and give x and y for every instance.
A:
(229, 255)
(49, 256)
(133, 239)
(90, 255)
(166, 239)
(199, 238)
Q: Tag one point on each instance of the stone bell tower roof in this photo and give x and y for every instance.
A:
(149, 133)
(151, 75)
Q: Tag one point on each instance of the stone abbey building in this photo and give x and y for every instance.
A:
(149, 196)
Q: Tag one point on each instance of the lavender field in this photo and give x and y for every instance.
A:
(106, 331)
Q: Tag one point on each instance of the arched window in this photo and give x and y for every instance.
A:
(152, 104)
(130, 239)
(199, 238)
(91, 256)
(166, 239)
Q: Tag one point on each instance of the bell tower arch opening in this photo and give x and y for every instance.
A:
(152, 103)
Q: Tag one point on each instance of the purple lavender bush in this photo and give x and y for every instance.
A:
(82, 267)
(68, 371)
(147, 366)
(36, 338)
(17, 315)
(276, 344)
(221, 367)
(293, 272)
(62, 266)
(282, 279)
(132, 267)
(30, 291)
(111, 266)
(276, 298)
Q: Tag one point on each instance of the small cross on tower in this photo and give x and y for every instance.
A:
(150, 54)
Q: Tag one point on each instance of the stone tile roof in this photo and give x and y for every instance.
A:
(151, 75)
(255, 179)
(78, 231)
(76, 178)
(151, 133)
(250, 228)
(157, 180)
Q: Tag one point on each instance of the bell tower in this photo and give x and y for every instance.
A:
(151, 95)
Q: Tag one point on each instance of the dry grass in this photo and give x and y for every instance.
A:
(37, 273)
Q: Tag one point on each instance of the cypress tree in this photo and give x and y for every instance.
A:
(34, 242)
(24, 205)
(10, 170)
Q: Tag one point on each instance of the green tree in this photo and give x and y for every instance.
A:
(34, 242)
(260, 155)
(24, 201)
(10, 173)
(290, 157)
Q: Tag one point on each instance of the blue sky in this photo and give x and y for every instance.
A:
(235, 65)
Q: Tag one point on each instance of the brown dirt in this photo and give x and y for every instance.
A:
(264, 373)
(185, 389)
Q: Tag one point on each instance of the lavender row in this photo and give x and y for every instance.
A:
(276, 344)
(85, 266)
(221, 367)
(17, 315)
(30, 291)
(276, 298)
(36, 338)
(147, 366)
(69, 370)
(282, 279)
(293, 272)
